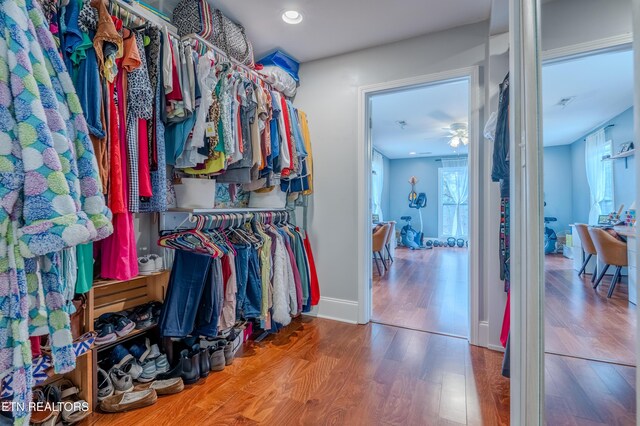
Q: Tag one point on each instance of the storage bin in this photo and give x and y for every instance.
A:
(274, 199)
(195, 193)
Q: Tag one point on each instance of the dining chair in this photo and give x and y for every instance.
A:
(391, 234)
(611, 251)
(588, 248)
(379, 239)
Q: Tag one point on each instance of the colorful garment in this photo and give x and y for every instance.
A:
(50, 196)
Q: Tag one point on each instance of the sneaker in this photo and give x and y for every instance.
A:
(158, 262)
(120, 323)
(216, 359)
(106, 333)
(140, 352)
(149, 371)
(133, 369)
(122, 382)
(164, 387)
(120, 356)
(154, 352)
(162, 364)
(146, 266)
(129, 401)
(105, 386)
(142, 316)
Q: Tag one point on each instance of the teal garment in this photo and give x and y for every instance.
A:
(84, 255)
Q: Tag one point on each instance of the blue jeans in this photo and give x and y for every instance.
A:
(192, 294)
(249, 297)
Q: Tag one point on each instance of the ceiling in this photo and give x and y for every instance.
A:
(599, 86)
(332, 27)
(428, 111)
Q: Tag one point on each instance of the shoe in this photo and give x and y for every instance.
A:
(120, 323)
(229, 354)
(72, 411)
(106, 333)
(120, 356)
(163, 387)
(158, 262)
(154, 352)
(122, 382)
(142, 316)
(187, 367)
(149, 371)
(162, 364)
(129, 401)
(105, 386)
(156, 308)
(133, 369)
(216, 359)
(146, 266)
(140, 352)
(205, 367)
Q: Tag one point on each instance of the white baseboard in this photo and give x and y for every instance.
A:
(483, 333)
(498, 348)
(336, 309)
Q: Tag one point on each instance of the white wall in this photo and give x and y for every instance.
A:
(328, 93)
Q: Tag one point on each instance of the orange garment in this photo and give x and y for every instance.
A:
(116, 185)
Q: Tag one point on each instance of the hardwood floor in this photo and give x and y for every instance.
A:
(322, 372)
(424, 290)
(582, 322)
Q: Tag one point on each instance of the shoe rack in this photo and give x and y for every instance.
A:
(113, 296)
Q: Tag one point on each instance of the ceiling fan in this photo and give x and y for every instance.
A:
(458, 135)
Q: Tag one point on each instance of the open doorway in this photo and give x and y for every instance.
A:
(420, 204)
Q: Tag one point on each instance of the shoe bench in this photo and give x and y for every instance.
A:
(113, 296)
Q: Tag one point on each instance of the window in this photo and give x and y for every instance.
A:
(607, 205)
(453, 199)
(599, 174)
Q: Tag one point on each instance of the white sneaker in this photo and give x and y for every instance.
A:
(145, 266)
(158, 262)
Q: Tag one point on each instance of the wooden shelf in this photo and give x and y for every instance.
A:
(104, 283)
(621, 155)
(130, 336)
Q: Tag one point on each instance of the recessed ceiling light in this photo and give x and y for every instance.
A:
(412, 153)
(292, 17)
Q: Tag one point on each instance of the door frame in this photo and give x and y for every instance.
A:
(363, 255)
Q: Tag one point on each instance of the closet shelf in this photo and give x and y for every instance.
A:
(130, 336)
(230, 210)
(105, 283)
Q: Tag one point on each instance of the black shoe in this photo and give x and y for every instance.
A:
(205, 366)
(187, 367)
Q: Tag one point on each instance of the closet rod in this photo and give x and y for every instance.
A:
(130, 7)
(221, 52)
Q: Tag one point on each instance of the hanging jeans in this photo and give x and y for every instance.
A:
(193, 301)
(249, 299)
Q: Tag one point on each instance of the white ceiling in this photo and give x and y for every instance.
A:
(332, 27)
(428, 111)
(603, 88)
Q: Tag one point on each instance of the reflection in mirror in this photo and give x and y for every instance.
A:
(589, 172)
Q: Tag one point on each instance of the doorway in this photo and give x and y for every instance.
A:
(421, 152)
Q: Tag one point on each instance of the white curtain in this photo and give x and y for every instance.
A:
(377, 182)
(595, 149)
(455, 196)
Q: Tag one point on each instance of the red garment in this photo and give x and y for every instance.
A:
(176, 91)
(226, 271)
(119, 256)
(313, 278)
(35, 346)
(116, 188)
(144, 172)
(287, 125)
(506, 322)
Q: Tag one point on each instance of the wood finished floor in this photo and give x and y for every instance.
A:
(424, 290)
(322, 372)
(584, 323)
